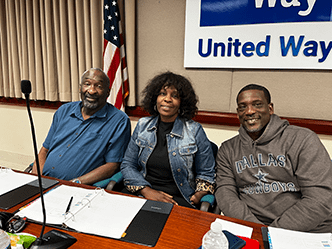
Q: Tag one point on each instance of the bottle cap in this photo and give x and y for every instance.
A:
(216, 227)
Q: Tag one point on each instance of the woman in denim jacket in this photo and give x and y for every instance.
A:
(169, 158)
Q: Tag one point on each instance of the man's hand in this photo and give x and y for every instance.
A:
(102, 172)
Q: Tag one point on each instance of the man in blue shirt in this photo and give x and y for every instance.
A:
(88, 138)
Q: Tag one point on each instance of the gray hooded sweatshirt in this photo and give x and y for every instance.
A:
(282, 179)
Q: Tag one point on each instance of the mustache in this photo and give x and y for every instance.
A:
(251, 116)
(92, 96)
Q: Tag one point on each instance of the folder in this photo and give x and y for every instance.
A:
(148, 224)
(266, 237)
(96, 212)
(24, 192)
(280, 238)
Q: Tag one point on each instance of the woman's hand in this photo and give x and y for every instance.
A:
(156, 195)
(195, 198)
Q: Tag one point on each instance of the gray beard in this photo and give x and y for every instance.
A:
(89, 105)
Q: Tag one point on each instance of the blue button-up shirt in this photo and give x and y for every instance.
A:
(77, 146)
(189, 151)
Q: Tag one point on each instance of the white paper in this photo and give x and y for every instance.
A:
(288, 239)
(92, 210)
(10, 180)
(236, 229)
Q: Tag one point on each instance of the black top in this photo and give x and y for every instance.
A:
(159, 173)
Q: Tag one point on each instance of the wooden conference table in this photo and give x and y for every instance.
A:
(184, 228)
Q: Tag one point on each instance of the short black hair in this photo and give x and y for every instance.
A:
(188, 98)
(255, 87)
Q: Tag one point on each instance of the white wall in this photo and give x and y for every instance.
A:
(16, 149)
(159, 47)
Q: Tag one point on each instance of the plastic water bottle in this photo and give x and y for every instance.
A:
(215, 238)
(4, 240)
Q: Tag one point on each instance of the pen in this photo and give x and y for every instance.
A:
(68, 207)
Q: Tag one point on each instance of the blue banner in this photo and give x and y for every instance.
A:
(238, 12)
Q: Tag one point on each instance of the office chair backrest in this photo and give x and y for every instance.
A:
(214, 149)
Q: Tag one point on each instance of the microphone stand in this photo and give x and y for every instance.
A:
(38, 240)
(53, 239)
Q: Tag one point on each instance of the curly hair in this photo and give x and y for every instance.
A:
(188, 98)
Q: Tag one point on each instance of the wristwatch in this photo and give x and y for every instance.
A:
(76, 180)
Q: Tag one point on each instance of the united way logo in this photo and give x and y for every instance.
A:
(239, 12)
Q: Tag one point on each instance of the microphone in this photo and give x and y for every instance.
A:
(52, 239)
(26, 87)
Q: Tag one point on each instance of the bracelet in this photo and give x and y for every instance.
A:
(76, 180)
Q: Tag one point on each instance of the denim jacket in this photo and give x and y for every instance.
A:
(189, 151)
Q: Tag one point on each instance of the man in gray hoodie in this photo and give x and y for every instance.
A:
(272, 172)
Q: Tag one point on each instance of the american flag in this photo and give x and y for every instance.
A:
(115, 65)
